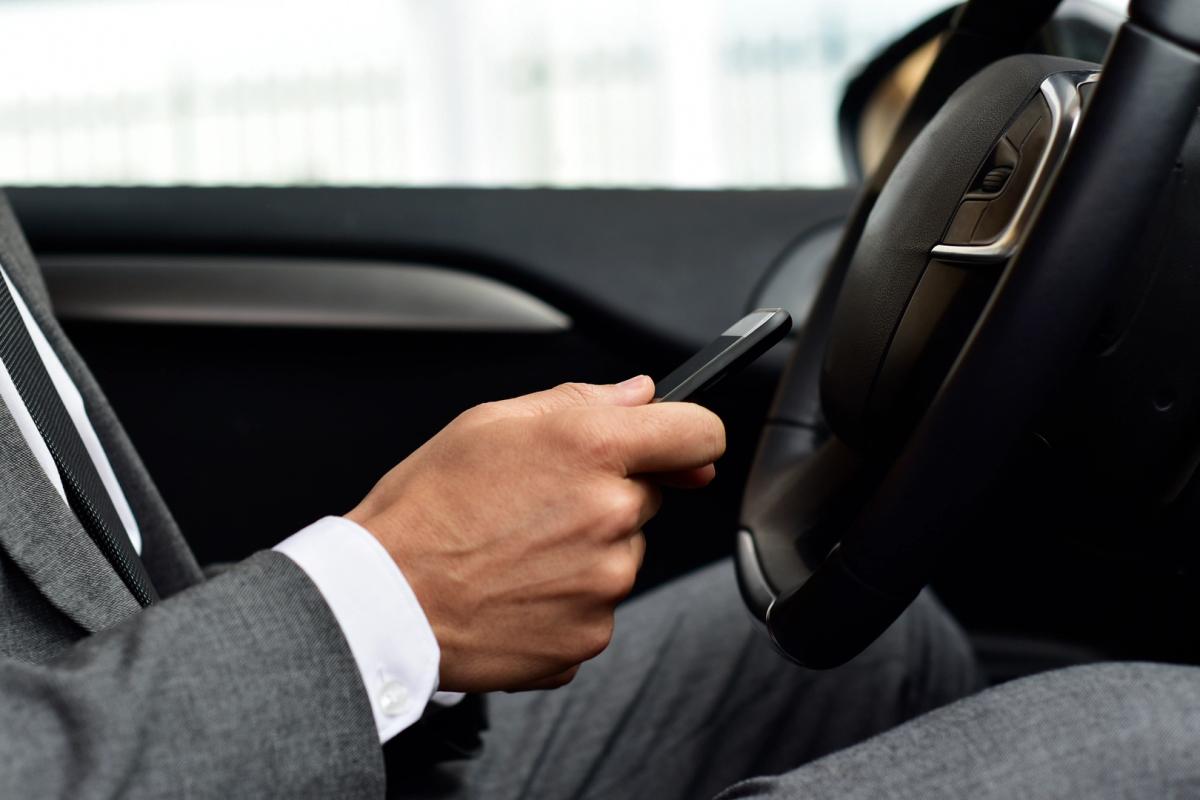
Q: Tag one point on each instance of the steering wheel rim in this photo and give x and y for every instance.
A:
(855, 532)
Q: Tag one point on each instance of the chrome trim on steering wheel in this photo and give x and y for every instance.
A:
(1062, 93)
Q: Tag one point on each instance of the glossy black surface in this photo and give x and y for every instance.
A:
(725, 356)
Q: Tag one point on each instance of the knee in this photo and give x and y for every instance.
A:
(1099, 730)
(1111, 730)
(1132, 704)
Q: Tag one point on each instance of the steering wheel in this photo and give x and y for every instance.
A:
(970, 274)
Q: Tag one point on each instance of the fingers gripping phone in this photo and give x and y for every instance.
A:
(732, 351)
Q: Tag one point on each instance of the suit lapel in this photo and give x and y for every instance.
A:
(167, 557)
(41, 535)
(64, 566)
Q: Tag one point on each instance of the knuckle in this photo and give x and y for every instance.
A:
(618, 574)
(468, 417)
(477, 414)
(637, 548)
(621, 509)
(563, 678)
(595, 638)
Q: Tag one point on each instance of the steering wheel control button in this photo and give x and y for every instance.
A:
(994, 174)
(1016, 174)
(1009, 172)
(993, 181)
(393, 699)
(1001, 211)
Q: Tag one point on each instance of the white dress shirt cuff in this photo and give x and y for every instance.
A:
(379, 615)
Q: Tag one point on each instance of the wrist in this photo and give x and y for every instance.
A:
(382, 527)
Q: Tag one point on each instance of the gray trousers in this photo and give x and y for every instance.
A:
(691, 698)
(1096, 732)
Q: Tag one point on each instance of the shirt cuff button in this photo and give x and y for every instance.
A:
(393, 699)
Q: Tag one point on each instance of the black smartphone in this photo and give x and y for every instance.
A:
(744, 341)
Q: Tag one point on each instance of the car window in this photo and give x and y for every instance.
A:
(672, 93)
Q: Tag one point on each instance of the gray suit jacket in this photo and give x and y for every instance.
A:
(238, 686)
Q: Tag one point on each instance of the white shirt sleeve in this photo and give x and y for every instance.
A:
(383, 622)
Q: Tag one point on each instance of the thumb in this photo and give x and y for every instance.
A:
(636, 391)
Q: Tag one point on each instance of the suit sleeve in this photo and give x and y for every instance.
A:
(242, 686)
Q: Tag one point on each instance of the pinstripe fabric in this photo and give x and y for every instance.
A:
(85, 490)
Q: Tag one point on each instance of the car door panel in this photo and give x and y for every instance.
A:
(669, 262)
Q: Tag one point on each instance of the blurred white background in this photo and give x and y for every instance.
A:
(679, 93)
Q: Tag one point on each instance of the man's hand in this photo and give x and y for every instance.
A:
(519, 525)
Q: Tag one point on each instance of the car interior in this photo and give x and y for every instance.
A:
(970, 410)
